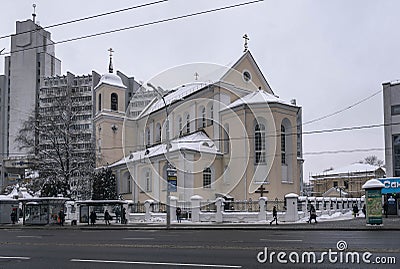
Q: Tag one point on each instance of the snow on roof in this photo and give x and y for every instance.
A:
(174, 95)
(373, 184)
(258, 97)
(111, 79)
(353, 168)
(198, 142)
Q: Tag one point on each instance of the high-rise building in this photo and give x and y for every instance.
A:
(32, 56)
(391, 109)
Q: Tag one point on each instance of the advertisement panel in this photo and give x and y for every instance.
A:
(374, 206)
(392, 185)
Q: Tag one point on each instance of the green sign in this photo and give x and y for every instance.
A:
(373, 199)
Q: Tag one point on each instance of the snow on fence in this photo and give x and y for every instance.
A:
(291, 209)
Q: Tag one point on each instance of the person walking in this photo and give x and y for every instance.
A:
(355, 210)
(61, 216)
(178, 214)
(385, 209)
(313, 214)
(13, 216)
(364, 211)
(117, 214)
(274, 215)
(107, 217)
(93, 217)
(123, 216)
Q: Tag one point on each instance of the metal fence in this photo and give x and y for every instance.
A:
(280, 205)
(208, 206)
(158, 207)
(242, 206)
(137, 208)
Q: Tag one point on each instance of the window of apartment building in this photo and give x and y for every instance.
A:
(180, 126)
(259, 143)
(114, 101)
(335, 184)
(207, 178)
(226, 138)
(396, 155)
(211, 114)
(396, 110)
(148, 180)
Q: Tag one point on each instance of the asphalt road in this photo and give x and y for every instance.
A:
(27, 248)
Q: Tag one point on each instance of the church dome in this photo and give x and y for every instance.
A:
(111, 79)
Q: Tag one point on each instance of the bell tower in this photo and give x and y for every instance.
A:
(109, 116)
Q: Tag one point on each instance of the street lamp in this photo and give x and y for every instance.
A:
(167, 142)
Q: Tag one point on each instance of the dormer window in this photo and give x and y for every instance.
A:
(114, 101)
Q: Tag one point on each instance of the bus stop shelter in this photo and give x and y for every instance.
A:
(42, 210)
(8, 205)
(114, 207)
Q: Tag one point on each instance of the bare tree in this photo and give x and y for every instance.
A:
(372, 160)
(64, 157)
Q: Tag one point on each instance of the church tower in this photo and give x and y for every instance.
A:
(109, 117)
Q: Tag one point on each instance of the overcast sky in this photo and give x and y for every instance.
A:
(326, 54)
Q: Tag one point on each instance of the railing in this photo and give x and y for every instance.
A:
(158, 207)
(280, 205)
(137, 208)
(242, 206)
(208, 206)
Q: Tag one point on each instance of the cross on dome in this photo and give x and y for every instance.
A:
(110, 66)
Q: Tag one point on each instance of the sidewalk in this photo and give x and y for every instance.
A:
(391, 223)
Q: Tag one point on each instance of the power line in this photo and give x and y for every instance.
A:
(139, 25)
(342, 110)
(87, 18)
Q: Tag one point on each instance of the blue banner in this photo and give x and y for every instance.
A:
(392, 185)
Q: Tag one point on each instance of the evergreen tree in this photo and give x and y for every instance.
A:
(104, 185)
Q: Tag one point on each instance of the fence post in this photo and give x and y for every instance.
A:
(328, 205)
(173, 200)
(219, 203)
(262, 214)
(147, 205)
(291, 207)
(195, 199)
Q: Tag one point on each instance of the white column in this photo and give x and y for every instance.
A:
(219, 203)
(291, 207)
(147, 205)
(195, 199)
(173, 201)
(262, 215)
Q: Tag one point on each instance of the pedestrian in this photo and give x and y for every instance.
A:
(274, 215)
(313, 214)
(107, 217)
(355, 210)
(178, 214)
(93, 217)
(117, 214)
(364, 211)
(385, 209)
(123, 216)
(61, 216)
(13, 216)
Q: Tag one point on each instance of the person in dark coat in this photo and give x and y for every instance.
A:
(93, 217)
(123, 216)
(313, 214)
(274, 215)
(117, 214)
(61, 216)
(178, 214)
(355, 210)
(385, 209)
(364, 211)
(107, 217)
(13, 216)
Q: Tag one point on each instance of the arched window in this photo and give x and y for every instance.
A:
(211, 120)
(226, 138)
(114, 101)
(203, 117)
(147, 136)
(99, 102)
(283, 144)
(180, 126)
(147, 182)
(259, 143)
(187, 123)
(207, 178)
(158, 133)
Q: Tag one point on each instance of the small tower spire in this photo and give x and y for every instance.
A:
(246, 45)
(110, 66)
(34, 13)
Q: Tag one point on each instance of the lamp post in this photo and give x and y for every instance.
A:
(167, 142)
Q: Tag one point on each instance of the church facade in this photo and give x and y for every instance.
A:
(230, 137)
